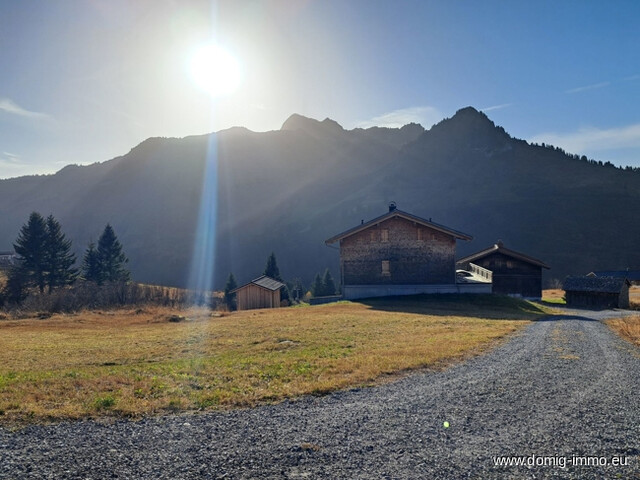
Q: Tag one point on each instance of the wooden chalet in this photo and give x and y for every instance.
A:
(398, 254)
(263, 292)
(597, 292)
(512, 273)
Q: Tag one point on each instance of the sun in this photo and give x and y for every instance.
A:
(215, 70)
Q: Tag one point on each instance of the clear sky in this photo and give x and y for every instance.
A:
(86, 80)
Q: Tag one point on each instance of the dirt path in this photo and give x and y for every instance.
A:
(566, 388)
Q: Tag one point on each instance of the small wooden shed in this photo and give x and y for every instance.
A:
(263, 292)
(597, 292)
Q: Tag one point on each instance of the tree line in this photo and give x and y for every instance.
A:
(46, 262)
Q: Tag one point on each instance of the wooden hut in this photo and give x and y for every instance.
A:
(263, 292)
(597, 292)
(513, 273)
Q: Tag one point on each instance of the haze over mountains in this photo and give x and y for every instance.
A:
(288, 190)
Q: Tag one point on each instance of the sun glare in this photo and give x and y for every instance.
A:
(215, 70)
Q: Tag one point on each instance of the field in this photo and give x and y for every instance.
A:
(628, 328)
(634, 297)
(553, 296)
(132, 363)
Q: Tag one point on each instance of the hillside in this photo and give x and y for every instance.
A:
(289, 190)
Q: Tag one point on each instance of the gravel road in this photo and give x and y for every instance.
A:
(565, 388)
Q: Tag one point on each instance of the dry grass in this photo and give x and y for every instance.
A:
(553, 296)
(634, 297)
(628, 328)
(138, 362)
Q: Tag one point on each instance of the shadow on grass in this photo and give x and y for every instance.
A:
(495, 307)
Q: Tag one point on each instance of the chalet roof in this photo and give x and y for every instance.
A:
(400, 214)
(264, 282)
(632, 275)
(500, 248)
(594, 284)
(7, 253)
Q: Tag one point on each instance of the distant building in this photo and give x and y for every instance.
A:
(632, 275)
(597, 292)
(513, 273)
(7, 258)
(263, 292)
(399, 254)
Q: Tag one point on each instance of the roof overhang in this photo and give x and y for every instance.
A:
(505, 251)
(399, 214)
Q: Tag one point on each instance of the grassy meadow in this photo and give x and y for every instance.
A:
(131, 363)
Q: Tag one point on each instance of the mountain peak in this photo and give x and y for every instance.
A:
(310, 125)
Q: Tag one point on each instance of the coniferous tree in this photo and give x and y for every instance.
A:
(317, 288)
(328, 285)
(31, 247)
(272, 270)
(91, 264)
(111, 258)
(230, 298)
(15, 288)
(59, 259)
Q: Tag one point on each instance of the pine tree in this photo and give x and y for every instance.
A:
(230, 298)
(59, 259)
(111, 258)
(31, 247)
(317, 288)
(15, 288)
(271, 269)
(328, 285)
(91, 264)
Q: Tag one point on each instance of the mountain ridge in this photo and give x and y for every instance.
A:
(288, 190)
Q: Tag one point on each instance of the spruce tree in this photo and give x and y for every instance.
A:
(317, 288)
(230, 298)
(31, 247)
(328, 285)
(59, 259)
(111, 258)
(271, 269)
(15, 288)
(91, 264)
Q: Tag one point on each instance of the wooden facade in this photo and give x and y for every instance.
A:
(513, 273)
(597, 292)
(263, 292)
(397, 249)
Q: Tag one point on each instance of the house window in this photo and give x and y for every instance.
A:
(385, 268)
(509, 264)
(419, 234)
(372, 236)
(384, 235)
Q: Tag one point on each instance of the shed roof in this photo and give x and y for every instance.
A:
(594, 284)
(499, 247)
(264, 282)
(400, 214)
(632, 275)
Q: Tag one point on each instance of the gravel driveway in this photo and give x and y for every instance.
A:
(562, 390)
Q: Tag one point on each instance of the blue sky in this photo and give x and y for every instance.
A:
(85, 81)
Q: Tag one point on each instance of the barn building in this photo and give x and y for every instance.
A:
(263, 292)
(597, 292)
(7, 258)
(512, 273)
(399, 254)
